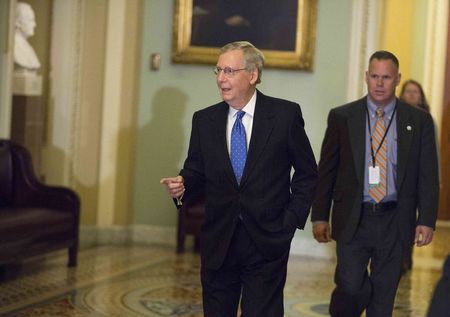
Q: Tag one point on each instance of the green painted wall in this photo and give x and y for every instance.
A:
(169, 97)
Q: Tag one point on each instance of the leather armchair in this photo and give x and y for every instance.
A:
(34, 218)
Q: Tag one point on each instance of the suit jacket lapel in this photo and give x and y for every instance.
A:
(405, 131)
(220, 129)
(357, 136)
(262, 127)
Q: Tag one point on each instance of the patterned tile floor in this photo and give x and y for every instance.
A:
(150, 281)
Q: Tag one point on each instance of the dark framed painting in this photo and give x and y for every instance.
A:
(285, 31)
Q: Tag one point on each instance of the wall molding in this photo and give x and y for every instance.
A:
(91, 236)
(146, 234)
(141, 234)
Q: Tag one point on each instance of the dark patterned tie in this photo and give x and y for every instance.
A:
(238, 151)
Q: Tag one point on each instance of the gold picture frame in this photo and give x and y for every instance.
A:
(296, 51)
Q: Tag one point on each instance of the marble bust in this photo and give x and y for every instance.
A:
(24, 55)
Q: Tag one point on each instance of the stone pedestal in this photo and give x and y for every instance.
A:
(28, 115)
(27, 83)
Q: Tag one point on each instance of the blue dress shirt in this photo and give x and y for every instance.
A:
(392, 150)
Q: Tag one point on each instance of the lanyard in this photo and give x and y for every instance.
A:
(384, 136)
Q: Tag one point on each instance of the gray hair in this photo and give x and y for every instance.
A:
(254, 58)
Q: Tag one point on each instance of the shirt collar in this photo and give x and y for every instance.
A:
(388, 109)
(249, 108)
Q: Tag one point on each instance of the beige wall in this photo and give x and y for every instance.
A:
(93, 141)
(416, 31)
(396, 32)
(403, 30)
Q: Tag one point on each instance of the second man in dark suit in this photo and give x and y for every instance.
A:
(241, 153)
(378, 166)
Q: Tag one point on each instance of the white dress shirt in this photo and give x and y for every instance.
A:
(247, 120)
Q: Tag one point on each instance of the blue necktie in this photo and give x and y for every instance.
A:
(238, 152)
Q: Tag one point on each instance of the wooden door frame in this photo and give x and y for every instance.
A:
(444, 201)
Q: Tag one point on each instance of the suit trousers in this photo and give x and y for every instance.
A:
(247, 276)
(440, 302)
(376, 245)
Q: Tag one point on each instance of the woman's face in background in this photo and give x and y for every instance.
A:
(412, 94)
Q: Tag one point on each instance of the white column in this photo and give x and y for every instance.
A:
(363, 42)
(435, 57)
(111, 111)
(65, 57)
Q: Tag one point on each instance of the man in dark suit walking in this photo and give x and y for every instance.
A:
(378, 169)
(241, 153)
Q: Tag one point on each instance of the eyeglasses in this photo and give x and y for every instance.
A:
(227, 71)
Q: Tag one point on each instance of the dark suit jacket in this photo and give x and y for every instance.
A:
(342, 164)
(270, 204)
